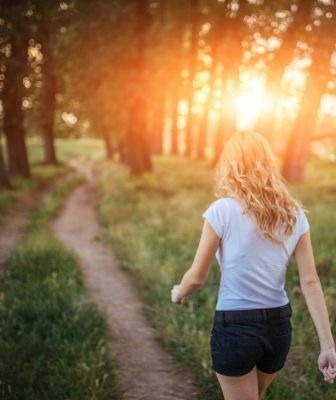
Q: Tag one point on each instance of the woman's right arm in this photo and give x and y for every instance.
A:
(312, 291)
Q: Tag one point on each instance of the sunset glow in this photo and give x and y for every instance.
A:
(250, 99)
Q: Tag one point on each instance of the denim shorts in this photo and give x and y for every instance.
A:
(244, 339)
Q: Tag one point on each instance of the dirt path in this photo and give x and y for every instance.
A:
(144, 370)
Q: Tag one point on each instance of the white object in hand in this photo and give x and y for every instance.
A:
(175, 295)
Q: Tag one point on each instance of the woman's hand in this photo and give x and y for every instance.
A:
(175, 296)
(327, 364)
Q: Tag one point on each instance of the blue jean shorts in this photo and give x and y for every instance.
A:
(244, 339)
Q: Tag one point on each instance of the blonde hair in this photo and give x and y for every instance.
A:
(247, 172)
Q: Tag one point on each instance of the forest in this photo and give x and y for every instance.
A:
(171, 77)
(113, 115)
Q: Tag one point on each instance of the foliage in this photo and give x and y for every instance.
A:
(103, 90)
(154, 223)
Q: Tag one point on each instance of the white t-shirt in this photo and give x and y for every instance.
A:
(253, 269)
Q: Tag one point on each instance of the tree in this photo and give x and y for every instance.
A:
(235, 31)
(192, 68)
(138, 149)
(215, 41)
(50, 20)
(47, 97)
(282, 57)
(91, 69)
(174, 38)
(4, 179)
(16, 35)
(297, 150)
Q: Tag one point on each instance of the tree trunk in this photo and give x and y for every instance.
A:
(174, 143)
(234, 31)
(109, 151)
(282, 58)
(137, 154)
(225, 126)
(157, 125)
(48, 97)
(137, 146)
(194, 4)
(297, 149)
(4, 179)
(202, 134)
(265, 122)
(13, 116)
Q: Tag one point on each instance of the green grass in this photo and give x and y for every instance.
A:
(40, 174)
(89, 148)
(154, 222)
(52, 338)
(66, 149)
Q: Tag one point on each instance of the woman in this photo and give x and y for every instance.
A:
(253, 232)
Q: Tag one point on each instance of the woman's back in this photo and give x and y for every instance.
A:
(253, 267)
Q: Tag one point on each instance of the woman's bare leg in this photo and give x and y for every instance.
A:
(240, 388)
(264, 380)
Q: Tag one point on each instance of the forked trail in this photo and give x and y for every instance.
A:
(144, 370)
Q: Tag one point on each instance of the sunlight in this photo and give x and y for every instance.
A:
(249, 101)
(248, 106)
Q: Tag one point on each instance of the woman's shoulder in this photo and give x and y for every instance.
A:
(225, 201)
(300, 212)
(302, 223)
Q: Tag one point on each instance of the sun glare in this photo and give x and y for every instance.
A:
(248, 106)
(247, 101)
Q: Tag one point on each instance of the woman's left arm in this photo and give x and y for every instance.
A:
(197, 274)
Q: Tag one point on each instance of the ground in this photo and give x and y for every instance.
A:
(144, 369)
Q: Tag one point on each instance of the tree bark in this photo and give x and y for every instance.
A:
(174, 143)
(235, 31)
(137, 146)
(48, 96)
(194, 31)
(157, 125)
(109, 150)
(225, 126)
(4, 179)
(13, 119)
(282, 58)
(202, 133)
(298, 145)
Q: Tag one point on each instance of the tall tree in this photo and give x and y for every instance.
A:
(4, 179)
(323, 44)
(215, 40)
(90, 61)
(282, 57)
(235, 31)
(15, 27)
(178, 24)
(47, 98)
(192, 68)
(50, 19)
(157, 101)
(138, 149)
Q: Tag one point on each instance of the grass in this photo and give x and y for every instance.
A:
(52, 341)
(40, 174)
(154, 222)
(66, 149)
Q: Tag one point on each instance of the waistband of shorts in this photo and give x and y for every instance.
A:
(255, 315)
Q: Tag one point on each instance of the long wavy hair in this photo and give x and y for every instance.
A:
(247, 172)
